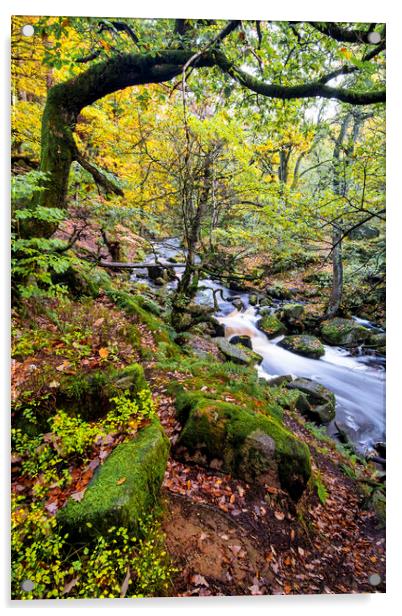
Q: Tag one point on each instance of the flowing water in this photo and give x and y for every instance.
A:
(357, 382)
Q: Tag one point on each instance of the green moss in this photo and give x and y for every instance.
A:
(132, 306)
(220, 430)
(345, 332)
(149, 305)
(308, 346)
(271, 326)
(123, 490)
(89, 395)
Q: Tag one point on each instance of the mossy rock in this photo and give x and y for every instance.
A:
(253, 299)
(315, 400)
(89, 395)
(344, 332)
(244, 341)
(308, 346)
(237, 353)
(292, 311)
(279, 291)
(123, 490)
(82, 279)
(266, 302)
(251, 446)
(378, 503)
(377, 342)
(271, 326)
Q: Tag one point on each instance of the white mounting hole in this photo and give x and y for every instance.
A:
(28, 30)
(374, 38)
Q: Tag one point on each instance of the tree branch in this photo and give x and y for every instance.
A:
(98, 176)
(342, 35)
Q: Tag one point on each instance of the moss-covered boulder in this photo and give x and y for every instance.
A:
(377, 342)
(238, 354)
(89, 395)
(266, 302)
(253, 299)
(308, 346)
(315, 401)
(123, 490)
(249, 445)
(344, 332)
(271, 326)
(82, 279)
(292, 311)
(279, 291)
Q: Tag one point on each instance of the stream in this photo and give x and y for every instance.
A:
(358, 382)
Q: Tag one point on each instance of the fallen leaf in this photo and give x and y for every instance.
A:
(69, 586)
(62, 367)
(103, 352)
(51, 507)
(279, 515)
(78, 496)
(54, 384)
(199, 580)
(120, 481)
(255, 589)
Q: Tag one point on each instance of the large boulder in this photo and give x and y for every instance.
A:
(251, 446)
(344, 332)
(377, 342)
(315, 401)
(238, 354)
(308, 346)
(123, 490)
(271, 326)
(292, 311)
(279, 291)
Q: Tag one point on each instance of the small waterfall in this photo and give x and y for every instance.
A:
(357, 382)
(359, 388)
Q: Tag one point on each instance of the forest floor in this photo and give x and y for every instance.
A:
(224, 536)
(231, 538)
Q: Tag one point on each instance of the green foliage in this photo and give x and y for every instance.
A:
(321, 488)
(42, 555)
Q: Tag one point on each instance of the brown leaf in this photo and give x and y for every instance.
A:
(69, 586)
(78, 496)
(199, 580)
(120, 481)
(255, 589)
(279, 515)
(63, 367)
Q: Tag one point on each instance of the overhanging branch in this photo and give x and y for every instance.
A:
(98, 176)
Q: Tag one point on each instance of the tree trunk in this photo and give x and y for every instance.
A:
(337, 274)
(340, 185)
